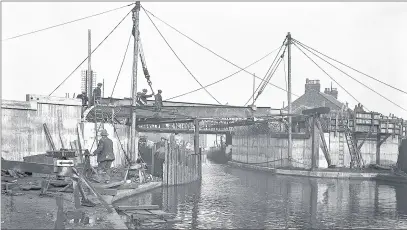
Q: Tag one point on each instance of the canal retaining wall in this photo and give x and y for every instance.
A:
(22, 131)
(270, 149)
(388, 150)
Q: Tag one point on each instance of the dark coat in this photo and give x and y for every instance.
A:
(104, 151)
(97, 93)
(159, 99)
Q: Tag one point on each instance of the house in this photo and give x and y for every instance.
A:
(313, 98)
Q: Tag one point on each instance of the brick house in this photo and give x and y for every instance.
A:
(313, 98)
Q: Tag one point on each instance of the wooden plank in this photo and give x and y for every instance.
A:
(54, 100)
(110, 185)
(140, 207)
(140, 217)
(159, 213)
(142, 212)
(106, 191)
(27, 167)
(158, 221)
(20, 105)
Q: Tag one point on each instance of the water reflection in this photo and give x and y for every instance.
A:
(234, 198)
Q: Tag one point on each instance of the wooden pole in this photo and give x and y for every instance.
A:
(289, 97)
(313, 143)
(196, 146)
(133, 133)
(89, 72)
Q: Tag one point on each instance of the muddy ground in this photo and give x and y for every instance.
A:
(27, 210)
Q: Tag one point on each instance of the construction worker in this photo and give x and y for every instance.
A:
(84, 98)
(158, 100)
(97, 94)
(105, 155)
(143, 97)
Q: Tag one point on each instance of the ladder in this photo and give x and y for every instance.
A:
(353, 150)
(341, 148)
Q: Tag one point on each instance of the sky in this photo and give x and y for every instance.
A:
(369, 37)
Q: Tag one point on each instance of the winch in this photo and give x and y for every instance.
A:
(62, 163)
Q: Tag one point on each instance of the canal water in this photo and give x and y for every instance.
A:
(235, 198)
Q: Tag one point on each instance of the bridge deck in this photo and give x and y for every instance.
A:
(176, 110)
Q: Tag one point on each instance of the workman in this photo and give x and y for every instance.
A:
(105, 155)
(84, 98)
(97, 94)
(143, 97)
(158, 100)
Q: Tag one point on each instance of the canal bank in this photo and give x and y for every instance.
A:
(334, 173)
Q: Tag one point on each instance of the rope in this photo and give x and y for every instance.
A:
(179, 58)
(65, 23)
(352, 68)
(209, 49)
(124, 57)
(91, 53)
(354, 79)
(265, 76)
(327, 74)
(213, 83)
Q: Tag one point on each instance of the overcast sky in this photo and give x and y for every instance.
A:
(370, 37)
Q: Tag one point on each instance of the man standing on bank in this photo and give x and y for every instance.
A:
(105, 155)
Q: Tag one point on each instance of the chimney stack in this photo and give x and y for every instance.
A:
(312, 85)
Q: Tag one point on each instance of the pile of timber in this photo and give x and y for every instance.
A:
(14, 173)
(146, 215)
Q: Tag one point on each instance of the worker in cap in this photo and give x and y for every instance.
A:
(143, 97)
(83, 97)
(105, 155)
(97, 94)
(158, 100)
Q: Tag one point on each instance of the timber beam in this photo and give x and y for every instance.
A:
(186, 131)
(27, 167)
(384, 139)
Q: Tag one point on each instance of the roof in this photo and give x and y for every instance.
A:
(332, 99)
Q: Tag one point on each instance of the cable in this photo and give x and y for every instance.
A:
(179, 58)
(356, 80)
(124, 57)
(67, 22)
(213, 83)
(91, 53)
(209, 49)
(352, 68)
(327, 73)
(265, 76)
(270, 75)
(264, 85)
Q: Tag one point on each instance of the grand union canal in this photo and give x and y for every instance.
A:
(235, 198)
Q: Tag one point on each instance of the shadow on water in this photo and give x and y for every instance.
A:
(235, 198)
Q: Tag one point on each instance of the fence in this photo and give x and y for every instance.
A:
(181, 166)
